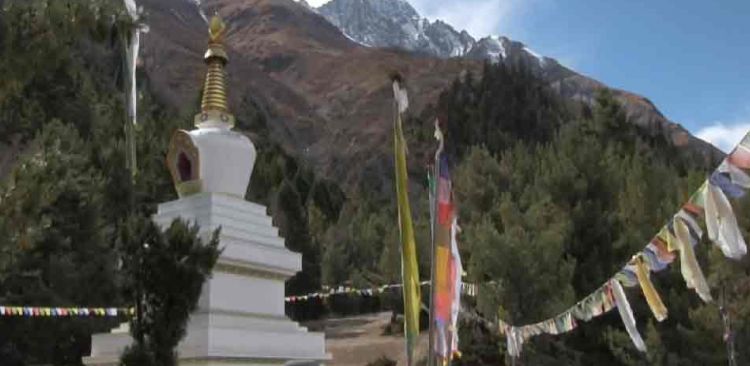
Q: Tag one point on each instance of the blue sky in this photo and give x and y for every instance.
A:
(690, 57)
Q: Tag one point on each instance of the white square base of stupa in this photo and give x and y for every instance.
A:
(240, 319)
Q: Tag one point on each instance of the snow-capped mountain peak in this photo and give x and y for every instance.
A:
(395, 23)
(539, 57)
(492, 47)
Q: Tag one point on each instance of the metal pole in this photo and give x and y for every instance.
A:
(431, 343)
(728, 334)
(131, 160)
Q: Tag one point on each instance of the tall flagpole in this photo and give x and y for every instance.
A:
(431, 330)
(132, 46)
(131, 43)
(409, 265)
(728, 333)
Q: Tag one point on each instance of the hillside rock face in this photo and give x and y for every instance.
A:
(327, 99)
(396, 24)
(326, 95)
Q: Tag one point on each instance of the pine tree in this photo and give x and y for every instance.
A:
(165, 272)
(54, 248)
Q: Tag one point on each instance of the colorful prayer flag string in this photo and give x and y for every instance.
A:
(53, 312)
(709, 204)
(469, 289)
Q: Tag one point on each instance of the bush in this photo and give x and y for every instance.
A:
(382, 361)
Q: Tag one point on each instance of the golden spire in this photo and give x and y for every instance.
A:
(214, 106)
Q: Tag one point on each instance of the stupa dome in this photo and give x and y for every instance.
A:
(212, 157)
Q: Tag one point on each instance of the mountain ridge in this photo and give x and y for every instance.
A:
(308, 79)
(357, 17)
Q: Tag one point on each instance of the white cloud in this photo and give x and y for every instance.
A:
(724, 136)
(479, 17)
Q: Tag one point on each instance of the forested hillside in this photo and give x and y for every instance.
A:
(553, 197)
(58, 102)
(61, 104)
(553, 200)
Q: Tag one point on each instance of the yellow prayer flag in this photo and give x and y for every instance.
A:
(652, 297)
(409, 268)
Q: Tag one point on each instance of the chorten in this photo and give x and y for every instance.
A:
(240, 319)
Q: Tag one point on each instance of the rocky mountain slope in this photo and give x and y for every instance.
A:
(327, 97)
(396, 24)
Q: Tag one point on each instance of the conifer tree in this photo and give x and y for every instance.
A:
(164, 273)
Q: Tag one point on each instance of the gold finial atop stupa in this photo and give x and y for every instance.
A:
(216, 29)
(214, 106)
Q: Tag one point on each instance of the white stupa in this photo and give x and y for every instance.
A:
(240, 319)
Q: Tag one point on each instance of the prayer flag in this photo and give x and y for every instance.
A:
(722, 224)
(740, 157)
(456, 271)
(626, 313)
(409, 268)
(649, 292)
(132, 45)
(689, 266)
(446, 262)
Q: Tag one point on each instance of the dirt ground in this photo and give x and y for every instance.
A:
(358, 340)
